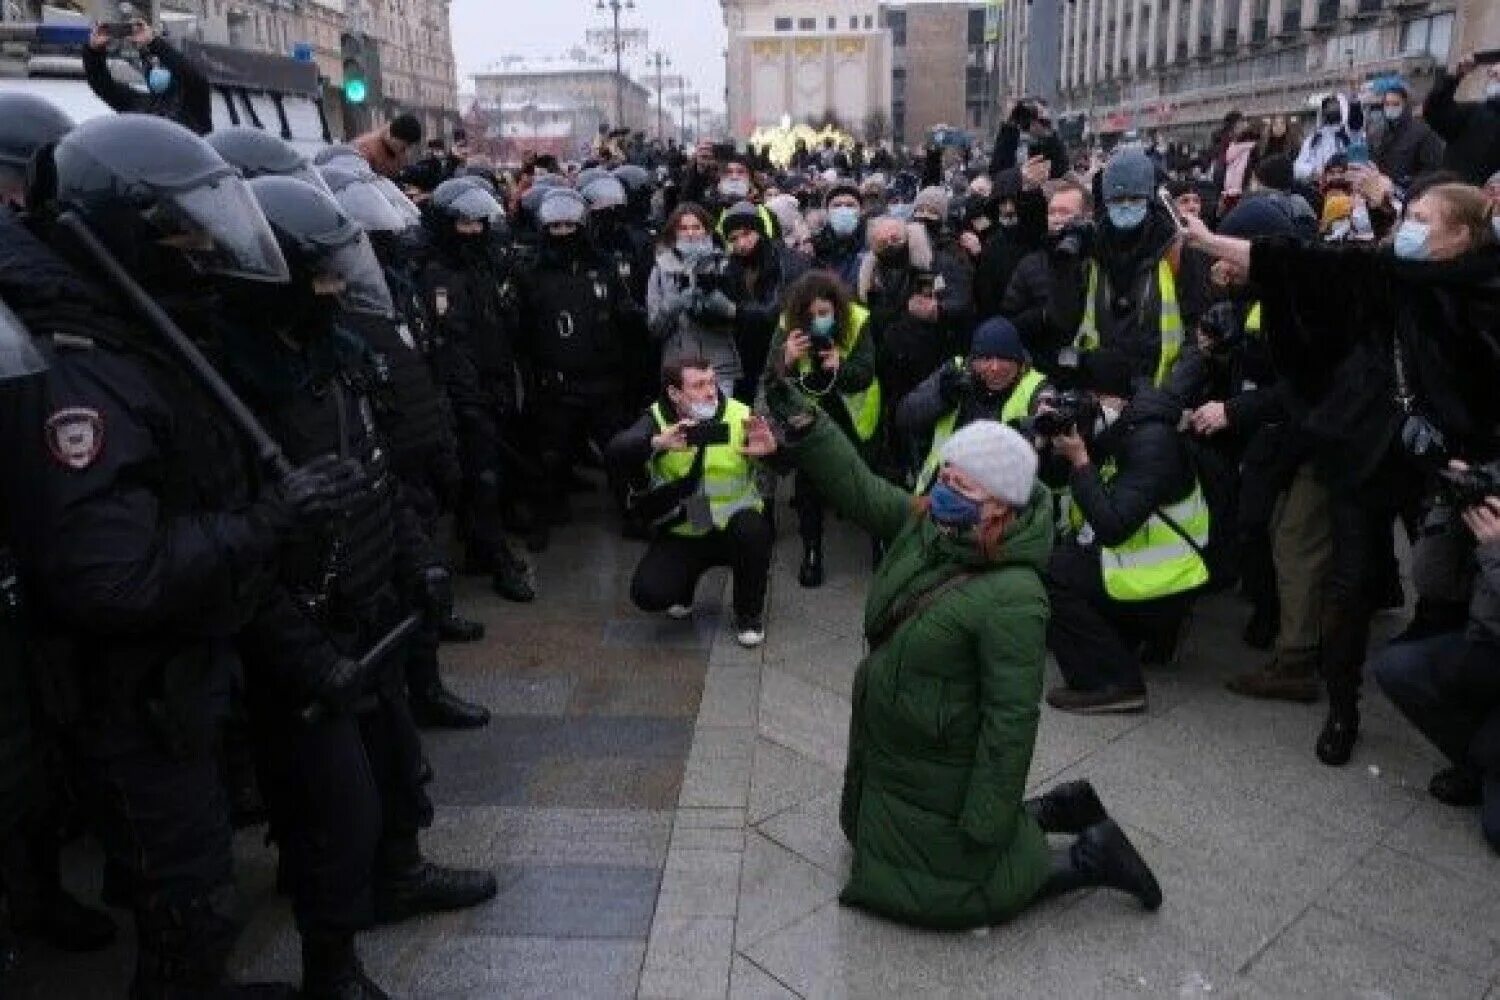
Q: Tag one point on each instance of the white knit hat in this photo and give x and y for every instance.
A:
(996, 457)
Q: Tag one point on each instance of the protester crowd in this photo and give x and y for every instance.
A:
(259, 411)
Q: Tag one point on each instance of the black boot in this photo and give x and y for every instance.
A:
(1103, 855)
(512, 579)
(39, 906)
(331, 969)
(1069, 808)
(1260, 631)
(1457, 786)
(182, 949)
(435, 707)
(1340, 731)
(810, 573)
(407, 885)
(458, 629)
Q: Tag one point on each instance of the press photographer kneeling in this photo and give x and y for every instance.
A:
(1123, 576)
(703, 503)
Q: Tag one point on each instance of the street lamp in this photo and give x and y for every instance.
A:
(659, 59)
(614, 7)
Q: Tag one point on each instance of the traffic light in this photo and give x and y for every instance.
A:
(356, 86)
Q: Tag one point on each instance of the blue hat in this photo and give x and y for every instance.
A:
(1129, 174)
(998, 338)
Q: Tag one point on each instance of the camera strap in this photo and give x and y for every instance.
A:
(1177, 530)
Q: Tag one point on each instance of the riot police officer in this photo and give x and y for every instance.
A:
(27, 123)
(145, 528)
(255, 153)
(468, 299)
(353, 854)
(644, 360)
(415, 425)
(573, 309)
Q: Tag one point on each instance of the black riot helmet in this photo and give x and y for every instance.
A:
(339, 151)
(398, 199)
(639, 187)
(257, 153)
(465, 199)
(362, 200)
(27, 123)
(159, 196)
(327, 250)
(19, 357)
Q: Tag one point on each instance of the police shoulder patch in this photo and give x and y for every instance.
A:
(75, 436)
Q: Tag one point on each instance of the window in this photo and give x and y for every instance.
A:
(783, 24)
(975, 82)
(898, 85)
(976, 27)
(896, 21)
(807, 24)
(869, 22)
(853, 22)
(833, 24)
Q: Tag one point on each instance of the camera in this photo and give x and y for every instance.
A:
(709, 272)
(1075, 239)
(1068, 412)
(1470, 487)
(706, 434)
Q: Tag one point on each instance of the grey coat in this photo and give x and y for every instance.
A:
(680, 335)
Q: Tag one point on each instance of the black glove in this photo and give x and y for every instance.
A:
(435, 594)
(335, 684)
(951, 382)
(311, 495)
(1075, 241)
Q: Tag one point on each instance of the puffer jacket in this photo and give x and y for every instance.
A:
(945, 712)
(680, 335)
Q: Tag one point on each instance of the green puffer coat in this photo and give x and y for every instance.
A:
(945, 713)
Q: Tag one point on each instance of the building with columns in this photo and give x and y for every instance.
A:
(806, 60)
(1178, 66)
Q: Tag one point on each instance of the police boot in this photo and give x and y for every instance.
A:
(182, 949)
(1071, 807)
(39, 907)
(435, 707)
(408, 885)
(810, 573)
(1340, 732)
(1103, 856)
(456, 628)
(512, 577)
(331, 969)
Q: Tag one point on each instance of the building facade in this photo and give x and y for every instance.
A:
(807, 61)
(1178, 66)
(557, 105)
(939, 71)
(415, 48)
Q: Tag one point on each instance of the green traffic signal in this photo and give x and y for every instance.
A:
(355, 90)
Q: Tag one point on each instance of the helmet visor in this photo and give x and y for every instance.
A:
(399, 201)
(309, 174)
(19, 357)
(363, 202)
(220, 228)
(353, 270)
(475, 204)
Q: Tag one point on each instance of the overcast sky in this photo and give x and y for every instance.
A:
(691, 32)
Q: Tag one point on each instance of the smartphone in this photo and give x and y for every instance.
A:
(723, 151)
(926, 285)
(118, 29)
(1165, 197)
(703, 435)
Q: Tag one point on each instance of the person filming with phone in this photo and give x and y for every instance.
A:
(702, 502)
(175, 88)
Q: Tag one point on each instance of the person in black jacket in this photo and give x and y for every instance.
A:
(1130, 471)
(1020, 226)
(760, 270)
(1470, 128)
(175, 87)
(1407, 146)
(1392, 355)
(1028, 133)
(1070, 209)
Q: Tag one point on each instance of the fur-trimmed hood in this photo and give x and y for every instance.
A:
(917, 242)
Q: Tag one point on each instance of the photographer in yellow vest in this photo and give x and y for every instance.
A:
(1135, 552)
(995, 382)
(702, 502)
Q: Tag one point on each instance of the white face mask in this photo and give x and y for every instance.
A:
(702, 411)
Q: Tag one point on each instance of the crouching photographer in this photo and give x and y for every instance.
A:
(1123, 576)
(1447, 684)
(702, 501)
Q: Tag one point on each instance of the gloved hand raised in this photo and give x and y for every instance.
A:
(312, 494)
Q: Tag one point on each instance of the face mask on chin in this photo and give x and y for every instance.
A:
(700, 411)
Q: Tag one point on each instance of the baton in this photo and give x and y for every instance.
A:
(371, 661)
(266, 448)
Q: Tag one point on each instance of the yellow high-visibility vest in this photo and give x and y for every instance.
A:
(1017, 406)
(728, 480)
(1170, 320)
(1156, 561)
(863, 407)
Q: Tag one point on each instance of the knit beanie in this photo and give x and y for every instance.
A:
(1129, 174)
(996, 457)
(997, 337)
(931, 202)
(1336, 207)
(741, 215)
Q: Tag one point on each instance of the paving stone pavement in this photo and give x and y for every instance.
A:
(661, 810)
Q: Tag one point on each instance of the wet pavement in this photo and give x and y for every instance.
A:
(660, 807)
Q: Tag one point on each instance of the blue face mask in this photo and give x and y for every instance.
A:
(1411, 240)
(158, 80)
(822, 327)
(951, 509)
(1127, 215)
(843, 220)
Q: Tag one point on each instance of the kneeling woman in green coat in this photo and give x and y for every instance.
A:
(945, 704)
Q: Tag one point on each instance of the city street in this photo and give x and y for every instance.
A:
(661, 808)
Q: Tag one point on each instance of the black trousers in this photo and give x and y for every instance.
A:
(1448, 686)
(1096, 638)
(566, 417)
(668, 573)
